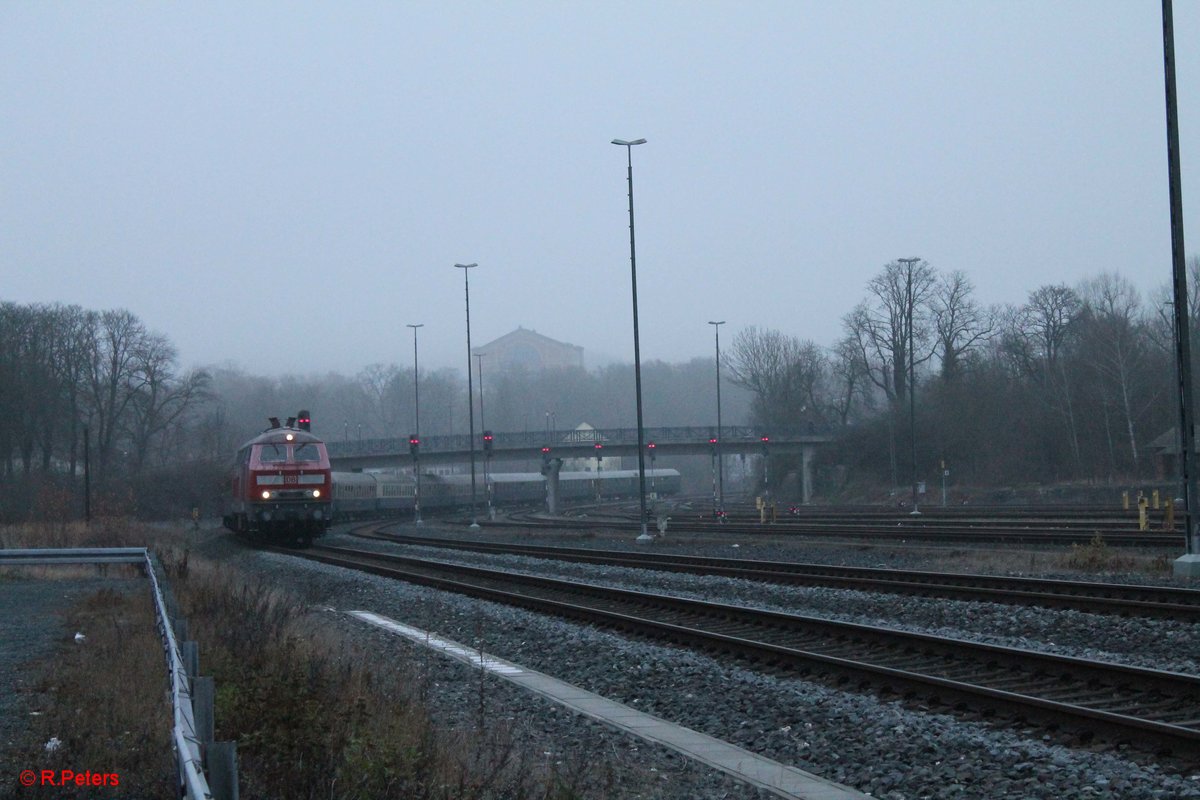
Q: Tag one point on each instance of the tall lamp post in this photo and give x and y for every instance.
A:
(487, 445)
(912, 390)
(466, 268)
(417, 425)
(1187, 565)
(644, 536)
(720, 466)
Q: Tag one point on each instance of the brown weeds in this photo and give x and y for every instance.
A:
(1097, 556)
(102, 704)
(316, 718)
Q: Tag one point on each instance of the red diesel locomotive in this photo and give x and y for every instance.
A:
(281, 488)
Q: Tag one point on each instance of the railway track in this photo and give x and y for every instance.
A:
(1161, 602)
(891, 531)
(1086, 700)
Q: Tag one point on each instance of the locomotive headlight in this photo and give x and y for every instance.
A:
(266, 495)
(316, 492)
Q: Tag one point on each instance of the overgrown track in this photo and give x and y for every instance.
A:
(1101, 598)
(895, 529)
(1090, 700)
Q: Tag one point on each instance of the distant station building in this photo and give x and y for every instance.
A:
(583, 434)
(529, 350)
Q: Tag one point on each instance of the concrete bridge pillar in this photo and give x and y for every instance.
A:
(550, 469)
(806, 474)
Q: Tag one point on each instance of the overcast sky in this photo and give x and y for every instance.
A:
(285, 186)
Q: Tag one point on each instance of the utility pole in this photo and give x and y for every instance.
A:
(1187, 565)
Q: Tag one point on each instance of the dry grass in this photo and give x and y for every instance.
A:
(1097, 556)
(313, 717)
(316, 718)
(103, 699)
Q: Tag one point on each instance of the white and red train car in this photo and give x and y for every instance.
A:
(281, 487)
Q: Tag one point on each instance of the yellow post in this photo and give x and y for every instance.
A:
(1143, 522)
(1125, 500)
(1169, 519)
(1155, 499)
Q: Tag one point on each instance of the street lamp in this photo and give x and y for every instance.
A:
(487, 451)
(720, 466)
(1187, 565)
(912, 391)
(417, 425)
(637, 356)
(466, 268)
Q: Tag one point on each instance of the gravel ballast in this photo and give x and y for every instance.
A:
(879, 747)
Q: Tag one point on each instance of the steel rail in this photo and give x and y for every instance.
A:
(1089, 697)
(877, 534)
(1102, 598)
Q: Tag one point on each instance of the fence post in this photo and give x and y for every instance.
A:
(222, 770)
(191, 660)
(203, 699)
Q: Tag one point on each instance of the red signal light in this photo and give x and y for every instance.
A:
(712, 440)
(651, 445)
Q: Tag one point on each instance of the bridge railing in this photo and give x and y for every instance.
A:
(542, 438)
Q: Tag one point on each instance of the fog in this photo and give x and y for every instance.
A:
(283, 188)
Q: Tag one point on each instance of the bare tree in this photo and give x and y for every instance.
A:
(161, 399)
(884, 327)
(379, 383)
(850, 381)
(1117, 339)
(787, 377)
(1037, 337)
(960, 325)
(111, 379)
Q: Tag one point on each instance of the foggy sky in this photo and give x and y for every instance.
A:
(285, 186)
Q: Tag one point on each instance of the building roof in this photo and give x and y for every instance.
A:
(531, 350)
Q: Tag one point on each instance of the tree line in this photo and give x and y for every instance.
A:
(65, 370)
(1073, 384)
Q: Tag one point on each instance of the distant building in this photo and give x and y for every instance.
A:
(586, 433)
(529, 350)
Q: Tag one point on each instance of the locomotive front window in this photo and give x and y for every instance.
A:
(272, 453)
(308, 451)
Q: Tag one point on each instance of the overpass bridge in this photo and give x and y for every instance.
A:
(587, 443)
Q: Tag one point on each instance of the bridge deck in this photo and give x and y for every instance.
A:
(572, 444)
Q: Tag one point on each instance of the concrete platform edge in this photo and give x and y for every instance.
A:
(781, 779)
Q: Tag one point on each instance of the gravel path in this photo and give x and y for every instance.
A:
(876, 746)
